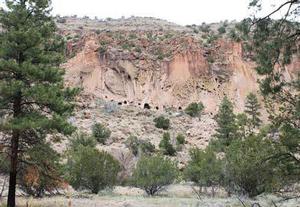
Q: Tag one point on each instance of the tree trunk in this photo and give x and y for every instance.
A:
(11, 199)
(14, 150)
(13, 171)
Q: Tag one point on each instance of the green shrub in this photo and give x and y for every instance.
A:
(81, 139)
(154, 173)
(44, 174)
(248, 171)
(142, 146)
(210, 59)
(62, 20)
(133, 144)
(166, 146)
(147, 147)
(234, 35)
(162, 123)
(101, 133)
(204, 169)
(87, 168)
(102, 49)
(127, 46)
(138, 49)
(194, 109)
(180, 139)
(222, 29)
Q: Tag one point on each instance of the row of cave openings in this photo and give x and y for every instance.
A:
(145, 106)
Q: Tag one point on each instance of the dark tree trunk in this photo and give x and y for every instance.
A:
(11, 199)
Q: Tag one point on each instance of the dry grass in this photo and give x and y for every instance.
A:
(179, 195)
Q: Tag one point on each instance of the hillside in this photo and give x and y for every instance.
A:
(144, 63)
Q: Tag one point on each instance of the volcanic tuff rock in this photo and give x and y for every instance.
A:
(126, 65)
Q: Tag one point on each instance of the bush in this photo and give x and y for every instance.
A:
(194, 109)
(162, 123)
(139, 146)
(91, 169)
(147, 147)
(248, 171)
(180, 139)
(44, 174)
(222, 29)
(204, 169)
(166, 145)
(81, 139)
(153, 173)
(133, 144)
(101, 133)
(62, 20)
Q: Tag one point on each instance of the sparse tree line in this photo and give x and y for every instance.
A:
(238, 160)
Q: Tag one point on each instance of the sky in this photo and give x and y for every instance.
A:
(178, 11)
(182, 12)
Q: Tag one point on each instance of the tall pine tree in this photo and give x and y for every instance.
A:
(33, 100)
(225, 118)
(252, 108)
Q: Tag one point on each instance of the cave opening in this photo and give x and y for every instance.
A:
(120, 103)
(157, 108)
(125, 102)
(147, 106)
(179, 108)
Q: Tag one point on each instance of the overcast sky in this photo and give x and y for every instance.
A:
(178, 11)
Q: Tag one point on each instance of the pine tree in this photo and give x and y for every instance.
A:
(33, 101)
(275, 43)
(225, 119)
(252, 108)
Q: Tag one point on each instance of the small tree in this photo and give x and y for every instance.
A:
(133, 144)
(146, 147)
(139, 146)
(44, 173)
(153, 173)
(204, 169)
(242, 123)
(101, 133)
(248, 171)
(194, 109)
(166, 146)
(88, 168)
(252, 108)
(81, 139)
(162, 123)
(225, 118)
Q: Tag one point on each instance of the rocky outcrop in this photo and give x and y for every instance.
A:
(161, 68)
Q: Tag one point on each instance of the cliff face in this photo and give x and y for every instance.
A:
(184, 77)
(122, 70)
(161, 68)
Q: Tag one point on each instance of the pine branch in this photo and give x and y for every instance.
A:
(291, 2)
